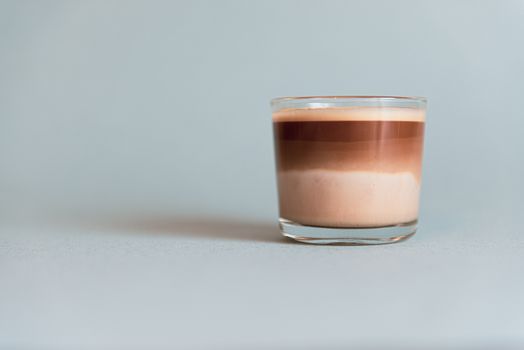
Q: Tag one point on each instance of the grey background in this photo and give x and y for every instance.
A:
(138, 196)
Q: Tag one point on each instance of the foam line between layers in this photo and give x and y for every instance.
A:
(350, 114)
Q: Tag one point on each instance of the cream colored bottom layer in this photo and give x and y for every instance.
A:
(348, 199)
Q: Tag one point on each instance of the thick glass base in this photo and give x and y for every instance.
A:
(348, 235)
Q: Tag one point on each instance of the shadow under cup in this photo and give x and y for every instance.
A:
(348, 167)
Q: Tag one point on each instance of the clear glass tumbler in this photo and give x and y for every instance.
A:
(348, 167)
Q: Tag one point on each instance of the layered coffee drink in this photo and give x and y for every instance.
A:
(349, 166)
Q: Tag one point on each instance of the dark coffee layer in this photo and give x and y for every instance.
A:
(388, 146)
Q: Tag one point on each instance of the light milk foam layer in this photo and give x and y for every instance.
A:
(350, 114)
(348, 199)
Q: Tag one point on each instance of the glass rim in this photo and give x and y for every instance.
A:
(279, 103)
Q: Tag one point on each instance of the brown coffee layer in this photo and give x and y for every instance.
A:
(385, 146)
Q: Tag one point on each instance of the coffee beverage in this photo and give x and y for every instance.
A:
(349, 167)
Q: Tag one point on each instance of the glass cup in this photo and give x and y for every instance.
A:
(348, 167)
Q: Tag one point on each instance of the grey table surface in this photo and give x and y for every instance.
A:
(207, 283)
